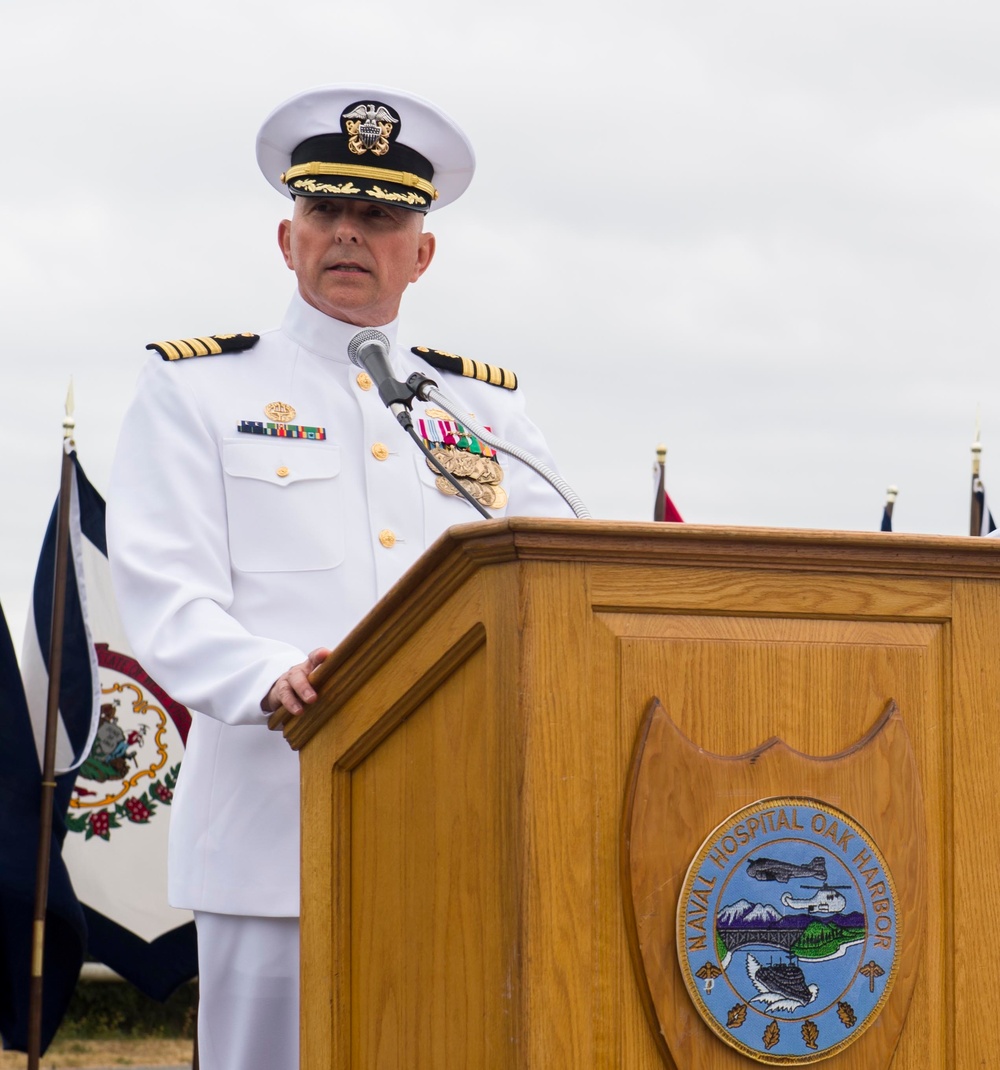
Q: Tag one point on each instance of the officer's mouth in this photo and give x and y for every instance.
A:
(348, 267)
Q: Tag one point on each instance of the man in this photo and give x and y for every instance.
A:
(263, 498)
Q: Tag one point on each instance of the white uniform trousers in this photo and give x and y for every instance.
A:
(248, 1014)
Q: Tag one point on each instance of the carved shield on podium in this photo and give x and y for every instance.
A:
(774, 901)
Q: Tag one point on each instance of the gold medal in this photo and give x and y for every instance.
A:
(445, 459)
(280, 412)
(492, 472)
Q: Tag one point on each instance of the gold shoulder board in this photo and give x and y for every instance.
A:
(210, 345)
(474, 369)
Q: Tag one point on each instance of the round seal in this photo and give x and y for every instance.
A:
(787, 931)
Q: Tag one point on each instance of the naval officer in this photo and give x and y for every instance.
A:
(263, 498)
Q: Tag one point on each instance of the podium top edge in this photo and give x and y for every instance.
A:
(464, 549)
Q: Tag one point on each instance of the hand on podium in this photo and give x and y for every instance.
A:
(292, 688)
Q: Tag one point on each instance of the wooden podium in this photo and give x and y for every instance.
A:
(466, 769)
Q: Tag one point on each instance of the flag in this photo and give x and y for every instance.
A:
(890, 501)
(65, 929)
(663, 507)
(982, 517)
(121, 742)
(669, 511)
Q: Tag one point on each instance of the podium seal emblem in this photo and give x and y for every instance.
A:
(787, 931)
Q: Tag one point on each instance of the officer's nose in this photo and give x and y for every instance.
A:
(347, 230)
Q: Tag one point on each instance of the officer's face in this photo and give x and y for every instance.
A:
(354, 259)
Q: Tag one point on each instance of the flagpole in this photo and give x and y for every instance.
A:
(660, 507)
(891, 493)
(49, 757)
(976, 509)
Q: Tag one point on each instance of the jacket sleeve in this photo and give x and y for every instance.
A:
(168, 547)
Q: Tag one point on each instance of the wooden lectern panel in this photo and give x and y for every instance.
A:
(465, 772)
(425, 948)
(731, 683)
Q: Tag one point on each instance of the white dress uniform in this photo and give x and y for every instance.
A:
(234, 554)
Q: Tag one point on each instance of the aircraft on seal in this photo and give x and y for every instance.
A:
(772, 869)
(827, 899)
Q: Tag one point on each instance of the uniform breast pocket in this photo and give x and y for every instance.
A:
(284, 500)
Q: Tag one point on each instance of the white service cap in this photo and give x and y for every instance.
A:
(368, 143)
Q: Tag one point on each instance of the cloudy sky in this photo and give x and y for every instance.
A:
(764, 233)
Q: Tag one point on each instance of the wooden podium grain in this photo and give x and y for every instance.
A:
(464, 772)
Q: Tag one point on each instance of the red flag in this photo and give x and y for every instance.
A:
(663, 507)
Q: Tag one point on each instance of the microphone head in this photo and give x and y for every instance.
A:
(367, 336)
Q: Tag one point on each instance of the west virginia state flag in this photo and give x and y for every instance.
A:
(121, 744)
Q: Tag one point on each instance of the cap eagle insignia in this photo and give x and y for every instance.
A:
(369, 127)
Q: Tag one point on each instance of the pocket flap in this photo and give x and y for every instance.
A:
(279, 462)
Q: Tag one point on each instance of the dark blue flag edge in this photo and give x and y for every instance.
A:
(157, 967)
(65, 928)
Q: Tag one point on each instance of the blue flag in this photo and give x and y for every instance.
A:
(120, 748)
(65, 930)
(986, 521)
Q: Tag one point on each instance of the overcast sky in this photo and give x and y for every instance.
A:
(766, 234)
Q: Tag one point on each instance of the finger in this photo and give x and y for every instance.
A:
(317, 657)
(298, 682)
(285, 694)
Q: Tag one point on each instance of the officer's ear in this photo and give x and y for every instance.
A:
(285, 242)
(426, 246)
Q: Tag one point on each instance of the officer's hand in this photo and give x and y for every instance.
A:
(292, 688)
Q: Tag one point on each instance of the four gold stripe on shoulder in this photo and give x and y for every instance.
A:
(471, 369)
(205, 345)
(182, 348)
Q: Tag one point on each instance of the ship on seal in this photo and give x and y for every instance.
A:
(782, 986)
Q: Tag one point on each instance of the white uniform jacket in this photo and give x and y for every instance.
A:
(234, 554)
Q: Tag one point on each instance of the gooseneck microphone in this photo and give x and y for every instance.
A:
(369, 349)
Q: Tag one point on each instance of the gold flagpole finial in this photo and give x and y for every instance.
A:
(68, 422)
(661, 454)
(891, 493)
(977, 449)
